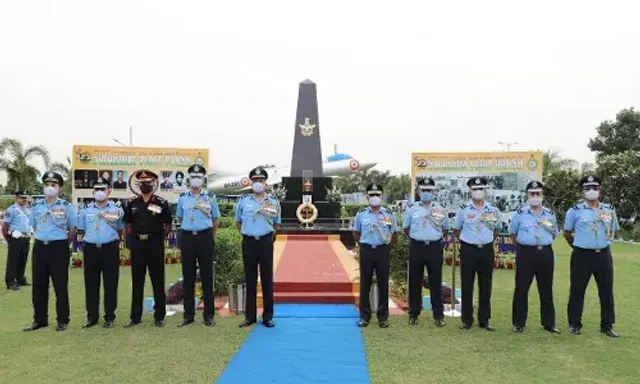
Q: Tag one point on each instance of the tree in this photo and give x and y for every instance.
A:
(358, 181)
(620, 174)
(617, 136)
(64, 169)
(15, 161)
(562, 191)
(397, 187)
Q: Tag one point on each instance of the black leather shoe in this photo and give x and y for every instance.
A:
(440, 323)
(465, 326)
(362, 323)
(551, 329)
(488, 327)
(89, 324)
(413, 320)
(383, 324)
(131, 324)
(610, 332)
(159, 323)
(517, 329)
(185, 322)
(268, 323)
(108, 324)
(574, 330)
(209, 323)
(34, 327)
(62, 327)
(246, 323)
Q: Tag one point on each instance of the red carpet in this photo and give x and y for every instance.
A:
(309, 271)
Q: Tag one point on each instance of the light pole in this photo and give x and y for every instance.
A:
(130, 139)
(507, 144)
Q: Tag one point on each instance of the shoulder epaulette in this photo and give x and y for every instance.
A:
(606, 205)
(211, 194)
(363, 209)
(90, 205)
(576, 207)
(39, 201)
(160, 199)
(463, 206)
(548, 210)
(64, 202)
(522, 209)
(184, 193)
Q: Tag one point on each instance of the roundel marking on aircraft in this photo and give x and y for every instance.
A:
(244, 181)
(354, 164)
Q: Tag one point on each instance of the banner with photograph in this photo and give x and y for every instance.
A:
(117, 165)
(507, 172)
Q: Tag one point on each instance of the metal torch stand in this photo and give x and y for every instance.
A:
(453, 312)
(237, 298)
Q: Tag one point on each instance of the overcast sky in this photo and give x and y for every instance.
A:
(407, 76)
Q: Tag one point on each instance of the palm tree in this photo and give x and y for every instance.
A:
(15, 161)
(64, 169)
(553, 161)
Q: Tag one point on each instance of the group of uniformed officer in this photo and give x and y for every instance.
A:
(589, 228)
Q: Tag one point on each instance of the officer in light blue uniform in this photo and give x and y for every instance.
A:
(375, 229)
(589, 227)
(257, 217)
(476, 227)
(426, 223)
(54, 221)
(101, 223)
(199, 215)
(533, 229)
(17, 231)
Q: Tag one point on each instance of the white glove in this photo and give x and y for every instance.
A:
(16, 234)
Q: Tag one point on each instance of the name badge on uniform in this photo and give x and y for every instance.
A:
(155, 208)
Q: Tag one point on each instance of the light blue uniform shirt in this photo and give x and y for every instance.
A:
(591, 227)
(52, 222)
(425, 223)
(258, 218)
(101, 225)
(531, 229)
(372, 225)
(470, 221)
(197, 213)
(17, 217)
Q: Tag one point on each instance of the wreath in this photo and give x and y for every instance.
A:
(307, 213)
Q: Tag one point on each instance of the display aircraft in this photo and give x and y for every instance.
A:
(335, 165)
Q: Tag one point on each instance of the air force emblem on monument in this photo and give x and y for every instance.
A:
(306, 129)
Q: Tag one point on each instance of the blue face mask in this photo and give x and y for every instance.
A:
(426, 196)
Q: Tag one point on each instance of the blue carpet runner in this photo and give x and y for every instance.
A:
(311, 343)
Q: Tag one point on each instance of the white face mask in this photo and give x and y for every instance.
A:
(196, 182)
(100, 195)
(591, 194)
(375, 201)
(50, 191)
(258, 187)
(535, 201)
(477, 194)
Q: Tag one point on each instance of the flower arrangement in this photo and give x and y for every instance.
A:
(175, 294)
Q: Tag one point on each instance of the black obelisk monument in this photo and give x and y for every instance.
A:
(307, 152)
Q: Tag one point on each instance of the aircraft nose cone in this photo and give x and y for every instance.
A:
(367, 164)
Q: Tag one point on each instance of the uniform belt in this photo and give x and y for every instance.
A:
(479, 246)
(97, 245)
(196, 233)
(48, 242)
(270, 234)
(426, 242)
(592, 250)
(538, 247)
(146, 236)
(365, 245)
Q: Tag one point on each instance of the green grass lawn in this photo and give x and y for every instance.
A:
(402, 354)
(399, 354)
(144, 354)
